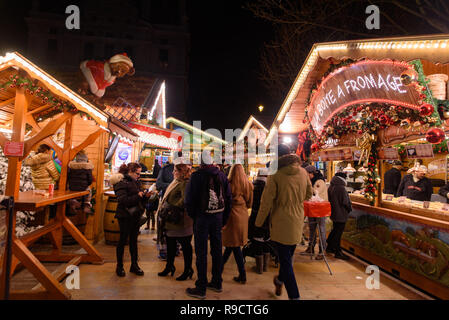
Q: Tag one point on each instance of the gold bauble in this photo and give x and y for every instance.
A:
(330, 130)
(377, 180)
(446, 114)
(409, 76)
(370, 198)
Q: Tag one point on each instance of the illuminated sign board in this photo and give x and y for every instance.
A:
(362, 82)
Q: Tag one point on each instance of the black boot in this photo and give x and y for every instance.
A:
(266, 261)
(241, 279)
(166, 271)
(259, 264)
(340, 255)
(186, 274)
(120, 271)
(136, 269)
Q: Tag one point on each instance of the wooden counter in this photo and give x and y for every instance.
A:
(409, 242)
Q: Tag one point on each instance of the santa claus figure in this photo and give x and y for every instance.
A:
(102, 74)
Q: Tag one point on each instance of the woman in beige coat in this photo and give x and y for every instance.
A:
(235, 233)
(43, 170)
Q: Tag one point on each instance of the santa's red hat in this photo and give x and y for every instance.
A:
(121, 57)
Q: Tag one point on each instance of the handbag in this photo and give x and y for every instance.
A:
(172, 214)
(136, 211)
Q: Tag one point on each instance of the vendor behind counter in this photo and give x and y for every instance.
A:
(416, 186)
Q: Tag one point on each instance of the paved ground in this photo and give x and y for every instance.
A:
(315, 283)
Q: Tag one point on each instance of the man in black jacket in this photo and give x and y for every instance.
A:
(392, 178)
(340, 208)
(208, 225)
(164, 178)
(416, 186)
(444, 192)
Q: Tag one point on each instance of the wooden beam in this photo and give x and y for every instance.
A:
(44, 107)
(47, 131)
(6, 102)
(65, 159)
(89, 140)
(21, 104)
(99, 184)
(37, 128)
(39, 271)
(79, 237)
(60, 273)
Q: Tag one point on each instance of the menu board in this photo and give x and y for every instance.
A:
(388, 154)
(419, 151)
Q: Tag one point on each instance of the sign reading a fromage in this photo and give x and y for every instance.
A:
(362, 82)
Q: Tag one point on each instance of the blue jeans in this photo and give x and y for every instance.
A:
(286, 273)
(208, 226)
(321, 222)
(238, 258)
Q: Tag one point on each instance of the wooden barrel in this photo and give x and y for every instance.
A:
(147, 182)
(110, 224)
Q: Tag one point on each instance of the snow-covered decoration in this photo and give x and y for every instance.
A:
(22, 218)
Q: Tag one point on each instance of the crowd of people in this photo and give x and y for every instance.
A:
(211, 205)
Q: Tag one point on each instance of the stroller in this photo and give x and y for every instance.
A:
(249, 250)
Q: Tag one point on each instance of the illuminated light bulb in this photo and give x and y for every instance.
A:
(421, 45)
(436, 45)
(444, 44)
(394, 45)
(260, 108)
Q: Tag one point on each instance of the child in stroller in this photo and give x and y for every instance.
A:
(259, 245)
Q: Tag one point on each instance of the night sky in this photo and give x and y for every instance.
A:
(225, 88)
(226, 40)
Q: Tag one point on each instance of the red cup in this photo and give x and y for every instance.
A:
(51, 188)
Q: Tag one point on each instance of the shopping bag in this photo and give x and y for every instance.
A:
(317, 209)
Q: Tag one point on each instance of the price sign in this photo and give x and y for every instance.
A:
(14, 149)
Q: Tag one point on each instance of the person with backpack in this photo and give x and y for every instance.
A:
(208, 201)
(235, 233)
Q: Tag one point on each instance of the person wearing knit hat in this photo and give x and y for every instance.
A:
(416, 186)
(79, 177)
(102, 74)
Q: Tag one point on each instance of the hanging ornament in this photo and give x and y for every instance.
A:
(409, 76)
(383, 119)
(405, 124)
(314, 147)
(426, 110)
(435, 135)
(446, 114)
(330, 130)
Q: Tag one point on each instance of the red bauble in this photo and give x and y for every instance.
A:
(435, 135)
(314, 147)
(383, 119)
(426, 110)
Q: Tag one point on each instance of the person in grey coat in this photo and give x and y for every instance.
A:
(340, 208)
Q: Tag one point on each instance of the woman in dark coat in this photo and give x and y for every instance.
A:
(340, 208)
(259, 236)
(127, 189)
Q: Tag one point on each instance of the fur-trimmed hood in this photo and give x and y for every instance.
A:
(287, 160)
(80, 165)
(116, 178)
(38, 159)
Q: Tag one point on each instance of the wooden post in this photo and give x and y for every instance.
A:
(18, 135)
(66, 154)
(99, 195)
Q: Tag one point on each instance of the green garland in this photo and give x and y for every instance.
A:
(56, 104)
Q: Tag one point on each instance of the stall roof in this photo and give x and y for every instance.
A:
(252, 122)
(190, 128)
(157, 136)
(433, 48)
(11, 63)
(121, 129)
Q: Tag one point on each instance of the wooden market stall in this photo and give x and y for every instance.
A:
(195, 140)
(363, 103)
(33, 107)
